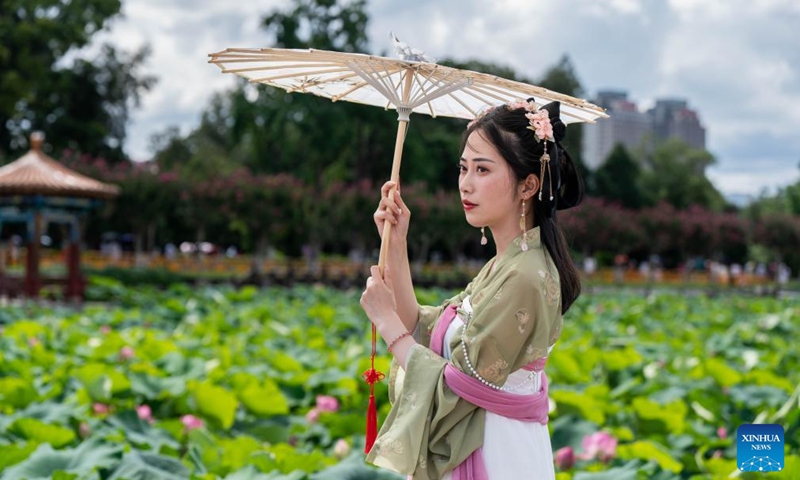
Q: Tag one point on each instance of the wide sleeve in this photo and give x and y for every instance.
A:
(430, 429)
(426, 321)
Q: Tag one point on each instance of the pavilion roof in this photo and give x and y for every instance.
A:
(35, 173)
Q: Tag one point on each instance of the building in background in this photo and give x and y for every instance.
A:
(674, 119)
(669, 118)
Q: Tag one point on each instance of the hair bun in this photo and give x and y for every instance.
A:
(571, 190)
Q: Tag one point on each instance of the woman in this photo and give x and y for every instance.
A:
(473, 401)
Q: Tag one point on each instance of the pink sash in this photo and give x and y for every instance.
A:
(527, 408)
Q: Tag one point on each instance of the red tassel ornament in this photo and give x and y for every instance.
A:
(372, 376)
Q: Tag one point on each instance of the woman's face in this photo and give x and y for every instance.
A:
(486, 184)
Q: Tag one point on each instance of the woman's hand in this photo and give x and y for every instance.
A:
(378, 300)
(396, 213)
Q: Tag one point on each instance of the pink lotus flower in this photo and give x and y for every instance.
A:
(341, 449)
(600, 445)
(722, 432)
(34, 342)
(84, 430)
(105, 329)
(145, 413)
(565, 458)
(190, 422)
(101, 408)
(126, 353)
(326, 403)
(312, 416)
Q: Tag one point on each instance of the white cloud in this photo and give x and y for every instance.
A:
(735, 61)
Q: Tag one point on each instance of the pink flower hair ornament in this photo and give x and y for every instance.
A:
(539, 118)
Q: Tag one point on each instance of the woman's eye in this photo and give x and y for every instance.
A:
(482, 169)
(462, 167)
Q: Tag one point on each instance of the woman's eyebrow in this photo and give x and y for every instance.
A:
(479, 159)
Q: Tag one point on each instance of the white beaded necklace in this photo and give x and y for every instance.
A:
(475, 372)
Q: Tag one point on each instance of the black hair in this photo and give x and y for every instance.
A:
(507, 129)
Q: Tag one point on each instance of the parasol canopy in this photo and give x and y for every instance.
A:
(400, 84)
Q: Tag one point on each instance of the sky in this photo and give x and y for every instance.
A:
(736, 62)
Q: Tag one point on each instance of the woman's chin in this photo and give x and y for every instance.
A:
(473, 221)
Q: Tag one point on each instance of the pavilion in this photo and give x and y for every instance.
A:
(37, 190)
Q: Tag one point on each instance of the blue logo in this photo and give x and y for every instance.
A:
(759, 448)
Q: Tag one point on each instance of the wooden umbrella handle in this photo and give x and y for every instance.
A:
(402, 126)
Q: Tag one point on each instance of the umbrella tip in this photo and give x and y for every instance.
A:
(405, 52)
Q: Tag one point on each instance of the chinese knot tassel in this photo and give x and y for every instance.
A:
(372, 376)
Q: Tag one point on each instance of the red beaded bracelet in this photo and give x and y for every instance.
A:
(397, 339)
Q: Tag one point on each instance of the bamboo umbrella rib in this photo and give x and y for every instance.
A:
(338, 97)
(541, 93)
(527, 89)
(347, 92)
(314, 83)
(240, 50)
(427, 80)
(277, 67)
(422, 91)
(377, 84)
(461, 102)
(306, 74)
(238, 60)
(385, 78)
(443, 90)
(544, 95)
(475, 90)
(553, 96)
(375, 78)
(386, 81)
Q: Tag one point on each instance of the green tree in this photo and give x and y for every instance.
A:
(617, 179)
(676, 173)
(324, 24)
(84, 103)
(86, 107)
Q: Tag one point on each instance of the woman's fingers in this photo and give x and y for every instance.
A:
(383, 215)
(401, 205)
(387, 204)
(386, 187)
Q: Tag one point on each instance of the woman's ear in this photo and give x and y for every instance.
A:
(529, 187)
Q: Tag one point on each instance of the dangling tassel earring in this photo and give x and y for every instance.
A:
(524, 243)
(483, 236)
(545, 163)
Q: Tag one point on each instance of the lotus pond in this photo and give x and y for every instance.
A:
(248, 384)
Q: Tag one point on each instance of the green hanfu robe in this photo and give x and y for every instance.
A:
(516, 317)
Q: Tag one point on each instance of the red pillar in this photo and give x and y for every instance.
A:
(75, 284)
(33, 282)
